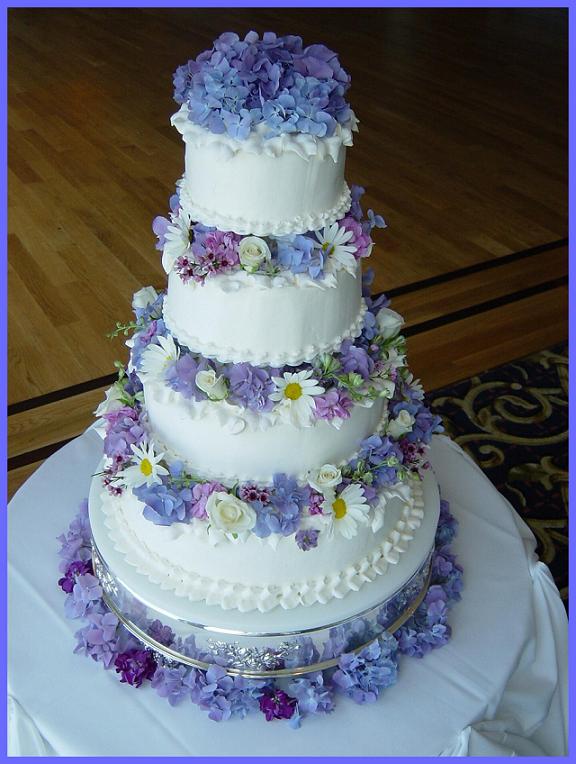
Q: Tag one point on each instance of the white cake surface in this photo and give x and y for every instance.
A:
(266, 322)
(291, 183)
(248, 573)
(226, 442)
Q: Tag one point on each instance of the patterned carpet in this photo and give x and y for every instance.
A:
(513, 421)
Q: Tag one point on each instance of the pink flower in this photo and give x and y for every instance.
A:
(360, 239)
(200, 494)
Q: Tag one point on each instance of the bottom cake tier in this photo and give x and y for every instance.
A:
(248, 573)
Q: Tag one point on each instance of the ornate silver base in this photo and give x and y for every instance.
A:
(256, 654)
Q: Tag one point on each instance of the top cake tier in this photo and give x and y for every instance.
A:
(266, 127)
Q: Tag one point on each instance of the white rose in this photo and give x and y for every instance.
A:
(389, 323)
(229, 514)
(401, 425)
(112, 402)
(253, 252)
(326, 478)
(144, 297)
(214, 387)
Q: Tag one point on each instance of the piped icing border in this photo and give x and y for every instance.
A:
(246, 227)
(238, 355)
(244, 598)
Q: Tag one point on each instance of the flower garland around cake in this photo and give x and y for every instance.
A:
(197, 252)
(333, 499)
(360, 675)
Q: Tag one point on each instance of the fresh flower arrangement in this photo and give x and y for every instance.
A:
(335, 499)
(361, 675)
(271, 81)
(196, 252)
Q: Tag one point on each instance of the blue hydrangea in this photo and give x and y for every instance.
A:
(170, 683)
(312, 694)
(300, 255)
(165, 504)
(362, 676)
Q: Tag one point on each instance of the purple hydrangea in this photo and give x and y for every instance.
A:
(164, 504)
(200, 495)
(160, 227)
(75, 544)
(123, 429)
(160, 632)
(315, 502)
(86, 593)
(170, 683)
(239, 84)
(382, 457)
(251, 386)
(181, 376)
(307, 539)
(312, 694)
(75, 569)
(141, 340)
(360, 238)
(99, 638)
(355, 359)
(334, 404)
(134, 666)
(300, 255)
(363, 675)
(221, 695)
(276, 704)
(282, 515)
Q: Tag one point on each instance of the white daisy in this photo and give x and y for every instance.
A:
(333, 242)
(295, 396)
(146, 467)
(347, 510)
(156, 358)
(176, 240)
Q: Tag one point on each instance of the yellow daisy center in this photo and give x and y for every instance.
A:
(293, 391)
(146, 467)
(339, 507)
(327, 247)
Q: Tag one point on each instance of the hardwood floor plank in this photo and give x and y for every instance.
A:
(19, 476)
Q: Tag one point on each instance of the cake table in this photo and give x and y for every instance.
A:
(498, 688)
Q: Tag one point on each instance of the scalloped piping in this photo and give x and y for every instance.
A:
(303, 144)
(298, 224)
(237, 355)
(244, 598)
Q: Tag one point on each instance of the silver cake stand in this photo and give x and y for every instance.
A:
(275, 644)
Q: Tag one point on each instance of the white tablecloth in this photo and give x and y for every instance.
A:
(498, 688)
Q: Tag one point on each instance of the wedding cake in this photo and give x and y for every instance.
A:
(265, 448)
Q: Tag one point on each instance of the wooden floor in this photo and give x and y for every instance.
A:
(462, 148)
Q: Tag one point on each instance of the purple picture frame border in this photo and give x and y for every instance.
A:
(5, 8)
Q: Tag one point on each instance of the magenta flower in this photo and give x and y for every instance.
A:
(276, 704)
(134, 666)
(75, 569)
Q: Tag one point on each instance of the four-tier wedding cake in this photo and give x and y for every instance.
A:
(265, 447)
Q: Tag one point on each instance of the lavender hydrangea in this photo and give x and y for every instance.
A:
(181, 376)
(73, 571)
(239, 84)
(99, 639)
(86, 593)
(170, 683)
(200, 495)
(355, 359)
(312, 694)
(334, 404)
(251, 386)
(362, 676)
(75, 543)
(425, 422)
(123, 429)
(164, 503)
(299, 255)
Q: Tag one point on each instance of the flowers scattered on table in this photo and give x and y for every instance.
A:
(197, 252)
(271, 81)
(361, 673)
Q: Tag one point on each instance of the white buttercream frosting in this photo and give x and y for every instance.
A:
(264, 321)
(221, 441)
(249, 573)
(291, 183)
